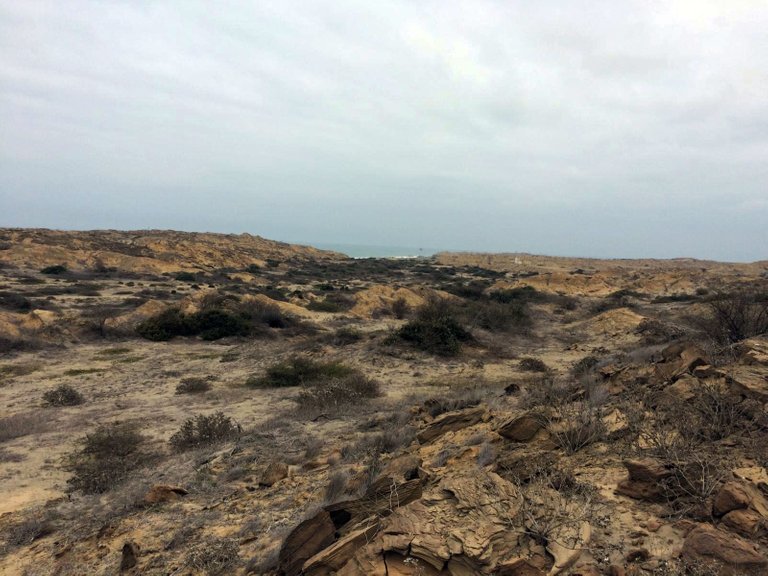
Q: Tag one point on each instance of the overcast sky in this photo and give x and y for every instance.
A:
(620, 129)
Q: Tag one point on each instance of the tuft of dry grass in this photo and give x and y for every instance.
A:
(22, 424)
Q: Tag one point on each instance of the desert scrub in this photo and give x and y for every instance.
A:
(203, 430)
(434, 330)
(22, 424)
(297, 371)
(336, 392)
(219, 317)
(54, 270)
(63, 395)
(533, 365)
(105, 458)
(214, 556)
(193, 385)
(585, 366)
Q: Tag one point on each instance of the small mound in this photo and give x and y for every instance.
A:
(377, 298)
(612, 322)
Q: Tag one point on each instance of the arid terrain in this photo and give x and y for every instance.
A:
(179, 403)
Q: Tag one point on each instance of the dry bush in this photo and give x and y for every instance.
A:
(193, 385)
(63, 395)
(553, 507)
(575, 426)
(400, 308)
(533, 365)
(105, 458)
(738, 315)
(203, 430)
(337, 485)
(297, 371)
(23, 424)
(548, 391)
(214, 556)
(27, 530)
(585, 366)
(486, 455)
(337, 392)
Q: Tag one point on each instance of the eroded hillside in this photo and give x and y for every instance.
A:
(295, 412)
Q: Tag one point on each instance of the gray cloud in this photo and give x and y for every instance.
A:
(590, 128)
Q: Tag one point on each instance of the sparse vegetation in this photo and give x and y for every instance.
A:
(435, 330)
(193, 385)
(63, 395)
(22, 424)
(533, 365)
(54, 270)
(204, 430)
(299, 370)
(737, 315)
(324, 394)
(105, 458)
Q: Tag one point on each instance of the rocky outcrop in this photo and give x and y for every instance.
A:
(450, 422)
(707, 544)
(521, 428)
(644, 482)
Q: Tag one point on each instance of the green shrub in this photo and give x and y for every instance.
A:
(63, 395)
(185, 277)
(496, 316)
(105, 458)
(204, 430)
(435, 330)
(297, 371)
(216, 324)
(54, 270)
(165, 325)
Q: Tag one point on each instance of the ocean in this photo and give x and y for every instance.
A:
(367, 251)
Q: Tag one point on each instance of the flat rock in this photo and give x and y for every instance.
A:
(331, 559)
(450, 422)
(305, 541)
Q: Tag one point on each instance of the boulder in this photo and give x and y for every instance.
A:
(746, 522)
(749, 381)
(705, 543)
(522, 428)
(450, 422)
(732, 496)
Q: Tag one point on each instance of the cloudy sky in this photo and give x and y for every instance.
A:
(572, 128)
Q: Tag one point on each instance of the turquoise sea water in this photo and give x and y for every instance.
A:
(365, 251)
